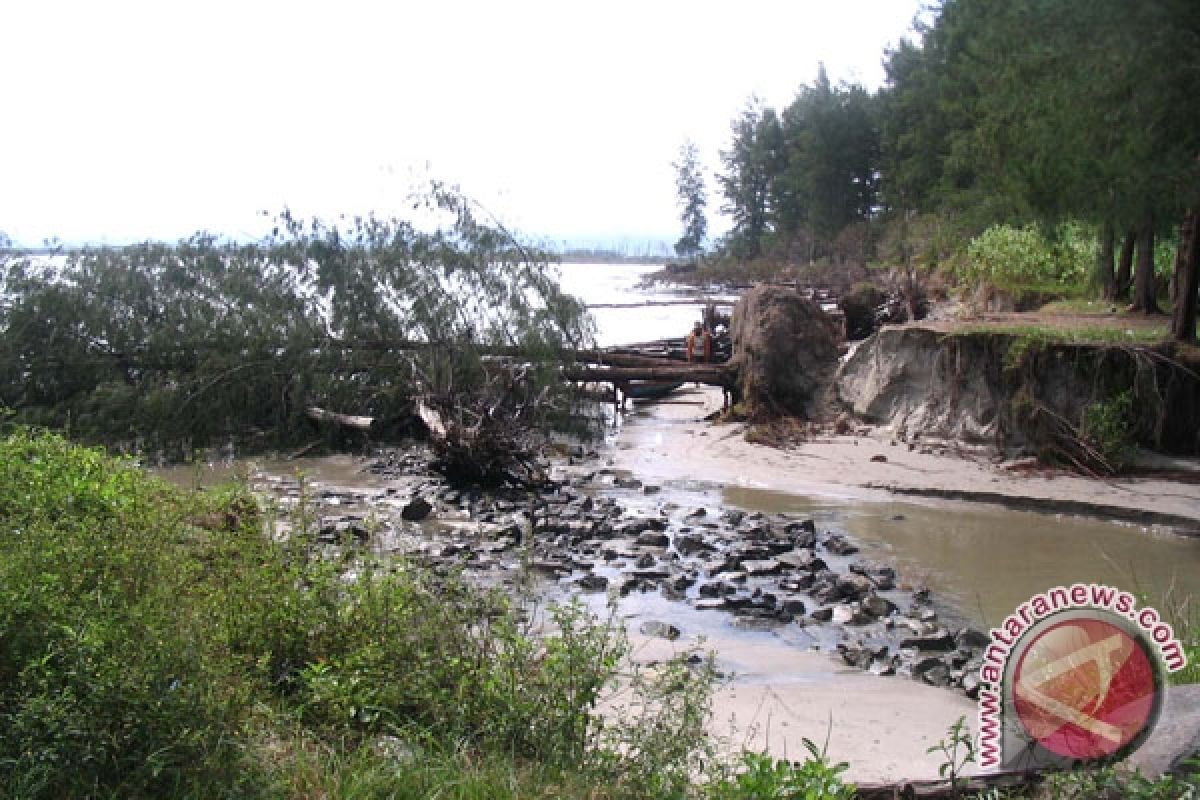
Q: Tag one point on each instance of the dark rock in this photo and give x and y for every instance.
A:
(822, 614)
(971, 639)
(592, 583)
(801, 559)
(689, 544)
(697, 513)
(970, 685)
(853, 587)
(715, 589)
(628, 483)
(938, 640)
(651, 489)
(797, 583)
(792, 605)
(884, 577)
(877, 606)
(923, 663)
(732, 517)
(417, 509)
(937, 676)
(662, 630)
(641, 524)
(839, 545)
(652, 539)
(679, 581)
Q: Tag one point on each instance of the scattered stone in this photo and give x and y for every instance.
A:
(971, 639)
(651, 489)
(839, 545)
(592, 583)
(801, 559)
(652, 539)
(416, 510)
(690, 544)
(877, 606)
(939, 640)
(662, 630)
(732, 517)
(882, 666)
(763, 567)
(880, 458)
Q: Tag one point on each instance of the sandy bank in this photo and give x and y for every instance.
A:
(776, 697)
(679, 445)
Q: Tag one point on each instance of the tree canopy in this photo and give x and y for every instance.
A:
(1029, 112)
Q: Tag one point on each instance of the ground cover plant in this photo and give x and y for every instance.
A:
(154, 642)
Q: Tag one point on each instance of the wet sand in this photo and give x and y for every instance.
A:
(780, 694)
(679, 445)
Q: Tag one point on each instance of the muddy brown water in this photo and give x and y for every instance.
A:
(985, 560)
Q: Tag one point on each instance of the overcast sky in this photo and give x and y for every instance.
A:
(152, 120)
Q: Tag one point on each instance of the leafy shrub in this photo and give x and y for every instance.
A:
(762, 778)
(1108, 427)
(1021, 260)
(154, 643)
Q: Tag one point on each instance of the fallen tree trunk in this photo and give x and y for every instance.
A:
(345, 420)
(944, 789)
(713, 374)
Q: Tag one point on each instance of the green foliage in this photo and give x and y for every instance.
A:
(689, 185)
(799, 185)
(1113, 782)
(1109, 427)
(1021, 260)
(765, 779)
(154, 643)
(957, 750)
(176, 347)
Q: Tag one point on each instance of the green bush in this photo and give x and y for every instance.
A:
(1021, 260)
(762, 777)
(155, 643)
(1109, 429)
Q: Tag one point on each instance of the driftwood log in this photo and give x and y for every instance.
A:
(345, 420)
(944, 790)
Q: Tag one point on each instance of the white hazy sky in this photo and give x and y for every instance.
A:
(153, 120)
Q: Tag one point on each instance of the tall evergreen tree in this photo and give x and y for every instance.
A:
(751, 165)
(693, 199)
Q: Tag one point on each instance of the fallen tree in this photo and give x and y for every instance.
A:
(165, 348)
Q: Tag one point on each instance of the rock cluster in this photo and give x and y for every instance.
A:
(601, 531)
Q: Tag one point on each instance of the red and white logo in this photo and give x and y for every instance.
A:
(1085, 688)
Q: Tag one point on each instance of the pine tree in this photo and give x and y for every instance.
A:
(693, 199)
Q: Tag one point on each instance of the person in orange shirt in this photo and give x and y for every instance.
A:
(700, 338)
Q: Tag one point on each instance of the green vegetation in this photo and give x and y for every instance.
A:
(155, 643)
(1023, 144)
(689, 185)
(815, 779)
(1020, 260)
(167, 348)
